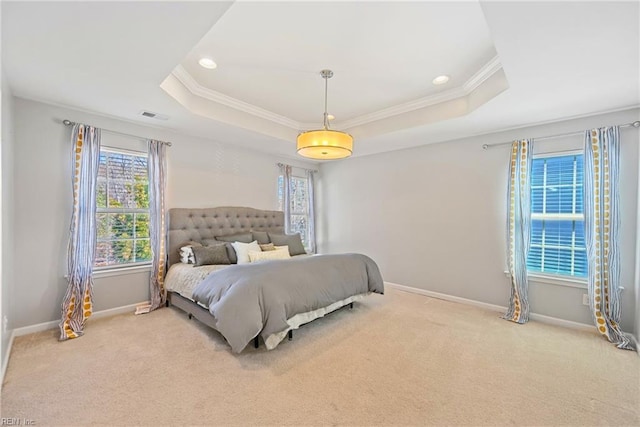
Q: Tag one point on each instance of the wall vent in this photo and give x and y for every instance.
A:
(153, 115)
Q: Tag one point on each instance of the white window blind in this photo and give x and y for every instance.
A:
(122, 209)
(557, 218)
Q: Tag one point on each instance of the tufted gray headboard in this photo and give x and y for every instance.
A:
(196, 224)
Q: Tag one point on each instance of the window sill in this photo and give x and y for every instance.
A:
(559, 281)
(556, 280)
(119, 271)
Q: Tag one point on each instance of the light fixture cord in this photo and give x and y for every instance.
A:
(326, 115)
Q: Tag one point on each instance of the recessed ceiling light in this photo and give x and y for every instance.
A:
(207, 62)
(440, 80)
(331, 117)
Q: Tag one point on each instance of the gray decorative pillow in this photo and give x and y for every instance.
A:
(292, 240)
(231, 253)
(211, 255)
(261, 236)
(238, 237)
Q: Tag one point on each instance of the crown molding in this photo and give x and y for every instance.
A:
(494, 132)
(404, 108)
(486, 71)
(550, 122)
(195, 88)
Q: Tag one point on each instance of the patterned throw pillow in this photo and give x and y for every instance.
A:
(267, 247)
(186, 253)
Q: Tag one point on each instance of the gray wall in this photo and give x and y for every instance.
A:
(433, 217)
(202, 173)
(6, 147)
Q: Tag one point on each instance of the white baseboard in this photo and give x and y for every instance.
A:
(438, 295)
(533, 316)
(560, 322)
(25, 330)
(5, 361)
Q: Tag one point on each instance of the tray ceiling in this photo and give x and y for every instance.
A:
(384, 56)
(511, 64)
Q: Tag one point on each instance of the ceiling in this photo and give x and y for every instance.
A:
(510, 63)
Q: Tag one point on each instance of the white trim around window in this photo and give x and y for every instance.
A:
(558, 153)
(100, 272)
(125, 178)
(556, 279)
(124, 151)
(540, 216)
(549, 279)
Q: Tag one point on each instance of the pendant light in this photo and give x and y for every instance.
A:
(325, 144)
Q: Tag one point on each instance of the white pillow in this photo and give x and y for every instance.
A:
(268, 255)
(282, 248)
(243, 249)
(186, 255)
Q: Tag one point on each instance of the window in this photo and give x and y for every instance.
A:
(122, 209)
(299, 206)
(557, 217)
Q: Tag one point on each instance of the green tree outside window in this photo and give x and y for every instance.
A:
(123, 209)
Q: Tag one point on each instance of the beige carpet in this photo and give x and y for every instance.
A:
(399, 359)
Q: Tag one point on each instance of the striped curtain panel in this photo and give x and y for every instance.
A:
(519, 229)
(157, 221)
(285, 170)
(77, 304)
(311, 226)
(602, 222)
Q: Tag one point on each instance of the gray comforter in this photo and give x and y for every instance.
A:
(251, 299)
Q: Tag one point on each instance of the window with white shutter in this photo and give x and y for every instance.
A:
(557, 217)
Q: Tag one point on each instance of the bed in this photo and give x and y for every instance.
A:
(268, 300)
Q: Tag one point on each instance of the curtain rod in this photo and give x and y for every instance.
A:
(67, 122)
(310, 170)
(635, 124)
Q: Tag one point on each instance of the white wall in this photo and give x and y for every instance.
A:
(6, 203)
(433, 217)
(202, 173)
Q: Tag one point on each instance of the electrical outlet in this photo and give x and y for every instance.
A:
(585, 299)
